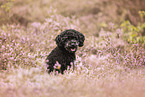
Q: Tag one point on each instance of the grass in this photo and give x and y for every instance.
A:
(36, 82)
(106, 66)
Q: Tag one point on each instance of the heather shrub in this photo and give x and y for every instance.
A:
(112, 48)
(134, 34)
(14, 47)
(123, 53)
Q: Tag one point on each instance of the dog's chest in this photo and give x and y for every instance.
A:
(67, 59)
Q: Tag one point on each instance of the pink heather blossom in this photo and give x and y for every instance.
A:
(57, 65)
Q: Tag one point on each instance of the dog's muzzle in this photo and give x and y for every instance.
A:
(71, 45)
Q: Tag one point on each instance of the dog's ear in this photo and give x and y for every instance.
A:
(58, 40)
(81, 39)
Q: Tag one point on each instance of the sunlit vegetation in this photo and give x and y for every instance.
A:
(110, 64)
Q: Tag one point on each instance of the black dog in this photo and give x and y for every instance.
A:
(64, 54)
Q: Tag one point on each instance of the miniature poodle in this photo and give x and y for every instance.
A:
(63, 55)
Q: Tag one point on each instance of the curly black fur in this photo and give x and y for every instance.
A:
(64, 54)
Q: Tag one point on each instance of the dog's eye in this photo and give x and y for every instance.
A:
(64, 38)
(75, 38)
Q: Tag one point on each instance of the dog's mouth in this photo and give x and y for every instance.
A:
(73, 49)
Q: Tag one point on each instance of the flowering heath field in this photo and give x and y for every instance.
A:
(109, 64)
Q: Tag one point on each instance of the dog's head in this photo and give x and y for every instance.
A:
(69, 40)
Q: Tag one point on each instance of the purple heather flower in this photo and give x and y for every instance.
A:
(57, 65)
